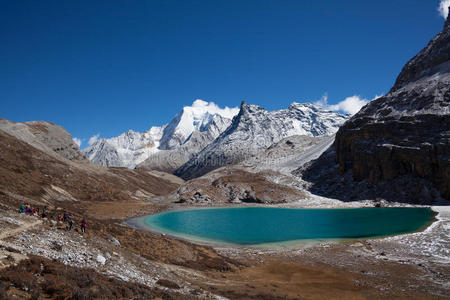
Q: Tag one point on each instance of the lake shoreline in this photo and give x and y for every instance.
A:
(139, 223)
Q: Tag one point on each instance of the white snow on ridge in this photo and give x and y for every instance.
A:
(126, 150)
(132, 148)
(190, 119)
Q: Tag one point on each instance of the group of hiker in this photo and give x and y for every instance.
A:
(26, 208)
(65, 217)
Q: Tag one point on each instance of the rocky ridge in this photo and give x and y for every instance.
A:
(166, 147)
(254, 129)
(170, 160)
(126, 150)
(407, 131)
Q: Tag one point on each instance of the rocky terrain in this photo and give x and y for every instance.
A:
(39, 256)
(254, 129)
(263, 178)
(406, 133)
(102, 196)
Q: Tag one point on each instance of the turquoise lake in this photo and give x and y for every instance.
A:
(263, 225)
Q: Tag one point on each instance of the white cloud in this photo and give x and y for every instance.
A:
(93, 139)
(443, 8)
(350, 105)
(323, 102)
(77, 141)
(213, 108)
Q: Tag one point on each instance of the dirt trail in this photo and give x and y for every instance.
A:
(11, 232)
(13, 257)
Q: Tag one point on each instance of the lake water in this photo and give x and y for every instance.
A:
(263, 225)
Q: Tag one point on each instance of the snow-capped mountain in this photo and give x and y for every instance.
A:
(170, 160)
(126, 150)
(203, 121)
(254, 129)
(192, 118)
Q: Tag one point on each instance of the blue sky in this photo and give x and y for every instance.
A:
(109, 66)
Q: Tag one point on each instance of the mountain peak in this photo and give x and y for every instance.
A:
(192, 118)
(434, 58)
(306, 105)
(246, 108)
(200, 106)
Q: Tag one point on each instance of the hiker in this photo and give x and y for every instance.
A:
(83, 226)
(59, 218)
(65, 217)
(22, 209)
(70, 224)
(27, 208)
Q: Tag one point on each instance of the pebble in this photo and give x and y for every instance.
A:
(100, 259)
(114, 241)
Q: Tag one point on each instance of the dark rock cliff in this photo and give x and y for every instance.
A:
(407, 131)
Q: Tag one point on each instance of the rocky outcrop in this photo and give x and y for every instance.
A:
(234, 185)
(429, 61)
(406, 132)
(45, 136)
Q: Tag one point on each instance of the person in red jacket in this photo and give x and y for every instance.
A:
(83, 226)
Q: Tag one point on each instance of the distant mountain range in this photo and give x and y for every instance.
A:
(203, 137)
(188, 132)
(255, 129)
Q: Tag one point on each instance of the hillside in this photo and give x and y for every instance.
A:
(45, 136)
